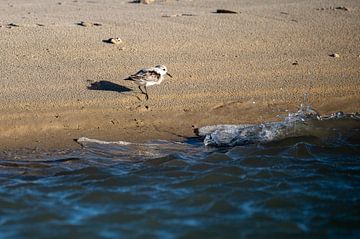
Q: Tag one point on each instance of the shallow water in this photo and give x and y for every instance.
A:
(304, 187)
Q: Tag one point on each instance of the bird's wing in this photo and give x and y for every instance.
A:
(146, 75)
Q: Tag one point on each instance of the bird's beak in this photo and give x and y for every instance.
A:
(168, 74)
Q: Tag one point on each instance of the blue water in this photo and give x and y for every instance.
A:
(302, 187)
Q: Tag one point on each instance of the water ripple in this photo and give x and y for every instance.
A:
(300, 186)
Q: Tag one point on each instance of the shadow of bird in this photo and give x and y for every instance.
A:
(108, 86)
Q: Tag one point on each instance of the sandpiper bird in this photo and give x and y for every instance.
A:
(148, 77)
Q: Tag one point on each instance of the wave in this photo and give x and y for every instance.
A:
(304, 123)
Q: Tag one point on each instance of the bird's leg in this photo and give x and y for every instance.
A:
(142, 92)
(147, 96)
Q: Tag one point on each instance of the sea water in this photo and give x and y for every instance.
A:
(302, 185)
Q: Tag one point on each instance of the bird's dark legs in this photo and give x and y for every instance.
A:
(147, 96)
(145, 93)
(142, 92)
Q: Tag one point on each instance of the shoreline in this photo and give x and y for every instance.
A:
(57, 130)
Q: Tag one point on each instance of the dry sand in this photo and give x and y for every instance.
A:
(60, 81)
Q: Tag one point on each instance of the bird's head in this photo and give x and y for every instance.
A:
(163, 70)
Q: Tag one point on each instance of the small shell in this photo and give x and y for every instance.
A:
(113, 40)
(147, 1)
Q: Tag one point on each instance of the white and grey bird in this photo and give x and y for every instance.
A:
(148, 77)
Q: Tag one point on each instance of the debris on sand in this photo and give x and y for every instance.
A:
(180, 15)
(342, 8)
(143, 1)
(11, 25)
(334, 55)
(113, 40)
(88, 24)
(147, 1)
(225, 11)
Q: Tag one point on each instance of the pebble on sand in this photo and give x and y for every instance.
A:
(334, 55)
(342, 8)
(333, 8)
(147, 1)
(225, 11)
(113, 40)
(10, 25)
(180, 15)
(88, 24)
(143, 1)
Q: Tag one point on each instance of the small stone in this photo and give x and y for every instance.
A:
(342, 8)
(147, 1)
(84, 24)
(225, 11)
(88, 24)
(113, 40)
(334, 55)
(179, 15)
(173, 15)
(187, 15)
(339, 114)
(10, 25)
(295, 63)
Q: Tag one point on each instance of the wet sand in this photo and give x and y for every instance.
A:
(59, 80)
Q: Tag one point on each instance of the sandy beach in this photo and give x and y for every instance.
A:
(60, 81)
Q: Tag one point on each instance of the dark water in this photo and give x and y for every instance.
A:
(303, 187)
